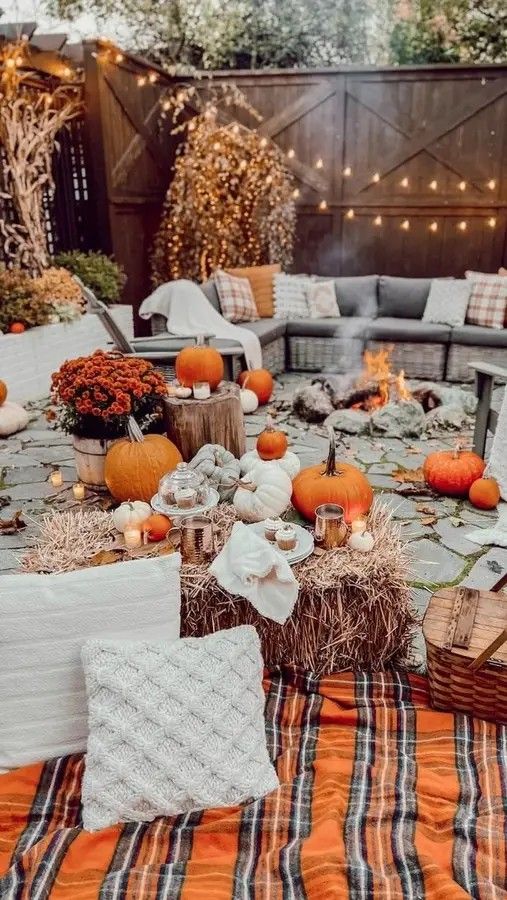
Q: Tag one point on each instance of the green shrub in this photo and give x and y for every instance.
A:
(98, 272)
(18, 303)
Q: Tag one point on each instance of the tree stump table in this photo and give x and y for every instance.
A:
(217, 420)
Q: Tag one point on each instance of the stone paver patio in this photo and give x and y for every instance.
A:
(440, 551)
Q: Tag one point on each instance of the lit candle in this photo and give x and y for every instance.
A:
(56, 478)
(171, 389)
(358, 526)
(132, 536)
(202, 390)
(79, 491)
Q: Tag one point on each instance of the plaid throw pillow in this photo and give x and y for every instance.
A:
(488, 300)
(236, 298)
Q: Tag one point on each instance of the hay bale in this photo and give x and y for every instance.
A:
(353, 609)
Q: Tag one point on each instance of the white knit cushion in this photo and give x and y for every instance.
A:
(447, 301)
(322, 303)
(44, 622)
(291, 301)
(174, 727)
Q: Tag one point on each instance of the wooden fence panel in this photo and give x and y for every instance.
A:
(423, 144)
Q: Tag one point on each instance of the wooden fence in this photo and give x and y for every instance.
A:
(400, 171)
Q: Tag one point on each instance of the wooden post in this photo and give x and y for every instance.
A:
(219, 420)
(96, 167)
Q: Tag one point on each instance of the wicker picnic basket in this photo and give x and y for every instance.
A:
(466, 641)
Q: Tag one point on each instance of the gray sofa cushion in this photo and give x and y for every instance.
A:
(479, 336)
(209, 288)
(357, 295)
(404, 298)
(267, 330)
(343, 327)
(414, 331)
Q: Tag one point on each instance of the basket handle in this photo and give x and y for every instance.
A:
(492, 648)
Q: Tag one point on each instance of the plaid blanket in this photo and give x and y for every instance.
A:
(380, 797)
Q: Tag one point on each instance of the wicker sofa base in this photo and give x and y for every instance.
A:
(416, 360)
(460, 355)
(324, 354)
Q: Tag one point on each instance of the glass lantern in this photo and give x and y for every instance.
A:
(182, 477)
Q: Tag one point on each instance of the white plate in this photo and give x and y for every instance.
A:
(174, 511)
(303, 548)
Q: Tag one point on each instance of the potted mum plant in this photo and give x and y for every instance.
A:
(95, 395)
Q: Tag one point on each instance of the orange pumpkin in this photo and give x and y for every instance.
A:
(484, 493)
(332, 482)
(271, 443)
(260, 381)
(17, 328)
(134, 465)
(156, 527)
(199, 363)
(3, 392)
(452, 472)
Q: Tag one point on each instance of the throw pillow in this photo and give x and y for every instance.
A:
(488, 300)
(322, 303)
(236, 298)
(261, 282)
(447, 302)
(174, 727)
(44, 622)
(291, 301)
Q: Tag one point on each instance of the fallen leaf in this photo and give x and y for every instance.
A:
(425, 509)
(412, 450)
(50, 415)
(413, 476)
(11, 526)
(428, 520)
(104, 558)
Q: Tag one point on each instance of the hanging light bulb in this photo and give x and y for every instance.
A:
(433, 185)
(291, 153)
(462, 185)
(492, 184)
(296, 193)
(347, 172)
(323, 205)
(404, 182)
(492, 222)
(405, 224)
(377, 220)
(462, 225)
(434, 226)
(350, 214)
(319, 164)
(376, 177)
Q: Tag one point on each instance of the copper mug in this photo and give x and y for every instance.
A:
(195, 539)
(330, 528)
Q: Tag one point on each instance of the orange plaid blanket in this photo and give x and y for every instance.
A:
(380, 797)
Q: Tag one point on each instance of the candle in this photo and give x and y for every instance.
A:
(202, 390)
(79, 491)
(358, 526)
(171, 390)
(133, 538)
(56, 478)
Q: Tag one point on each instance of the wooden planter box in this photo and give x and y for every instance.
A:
(28, 360)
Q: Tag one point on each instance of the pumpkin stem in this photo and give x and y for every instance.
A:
(331, 457)
(458, 447)
(134, 432)
(246, 485)
(270, 423)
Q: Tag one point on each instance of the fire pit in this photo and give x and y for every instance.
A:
(378, 400)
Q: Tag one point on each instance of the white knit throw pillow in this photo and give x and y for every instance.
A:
(291, 301)
(174, 727)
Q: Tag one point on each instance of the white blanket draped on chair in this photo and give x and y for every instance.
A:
(497, 468)
(189, 312)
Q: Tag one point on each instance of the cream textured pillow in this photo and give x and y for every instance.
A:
(291, 301)
(447, 302)
(322, 303)
(44, 622)
(174, 727)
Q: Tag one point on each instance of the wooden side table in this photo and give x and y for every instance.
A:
(217, 420)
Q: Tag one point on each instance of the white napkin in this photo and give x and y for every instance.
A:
(249, 566)
(495, 534)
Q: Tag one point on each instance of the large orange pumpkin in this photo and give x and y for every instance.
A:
(452, 472)
(484, 493)
(260, 381)
(271, 443)
(199, 363)
(332, 482)
(135, 464)
(3, 392)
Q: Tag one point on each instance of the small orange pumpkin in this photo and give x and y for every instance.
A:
(452, 472)
(199, 363)
(3, 392)
(134, 465)
(271, 443)
(332, 482)
(484, 493)
(156, 527)
(260, 381)
(17, 328)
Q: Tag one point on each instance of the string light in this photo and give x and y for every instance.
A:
(434, 227)
(319, 164)
(323, 205)
(269, 179)
(153, 77)
(404, 182)
(235, 129)
(433, 185)
(376, 177)
(166, 105)
(350, 214)
(119, 58)
(492, 184)
(462, 185)
(66, 72)
(377, 220)
(405, 225)
(492, 222)
(19, 61)
(216, 146)
(462, 225)
(264, 142)
(296, 193)
(10, 63)
(141, 80)
(291, 153)
(347, 172)
(243, 164)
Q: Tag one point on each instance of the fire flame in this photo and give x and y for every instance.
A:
(377, 369)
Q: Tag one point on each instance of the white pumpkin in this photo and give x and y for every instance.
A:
(265, 492)
(219, 466)
(249, 400)
(132, 512)
(289, 462)
(12, 418)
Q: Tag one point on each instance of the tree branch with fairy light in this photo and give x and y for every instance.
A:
(230, 202)
(34, 107)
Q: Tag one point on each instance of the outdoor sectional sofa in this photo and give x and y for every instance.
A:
(375, 311)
